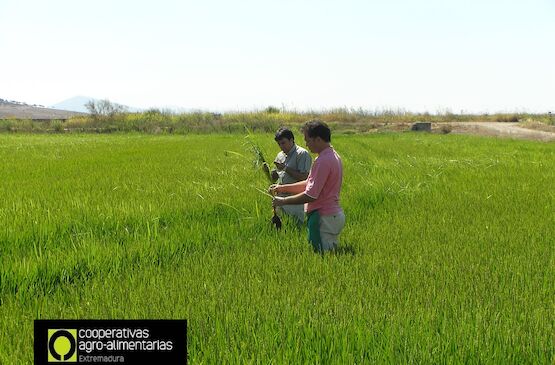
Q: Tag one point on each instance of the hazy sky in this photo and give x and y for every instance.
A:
(427, 55)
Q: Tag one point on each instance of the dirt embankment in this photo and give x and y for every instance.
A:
(505, 129)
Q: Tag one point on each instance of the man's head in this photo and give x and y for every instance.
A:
(285, 140)
(317, 135)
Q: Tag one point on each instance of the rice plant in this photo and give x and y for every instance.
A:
(447, 257)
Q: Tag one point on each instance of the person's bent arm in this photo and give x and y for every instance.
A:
(296, 173)
(294, 188)
(300, 198)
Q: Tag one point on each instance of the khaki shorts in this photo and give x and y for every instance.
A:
(330, 228)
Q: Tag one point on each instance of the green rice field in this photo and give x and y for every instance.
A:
(448, 254)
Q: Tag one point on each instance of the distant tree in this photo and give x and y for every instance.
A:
(271, 110)
(104, 107)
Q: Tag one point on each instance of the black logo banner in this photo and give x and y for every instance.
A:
(111, 341)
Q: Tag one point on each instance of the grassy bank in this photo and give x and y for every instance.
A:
(161, 122)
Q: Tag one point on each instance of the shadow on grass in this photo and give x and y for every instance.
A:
(344, 250)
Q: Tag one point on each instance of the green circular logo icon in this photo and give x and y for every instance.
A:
(62, 345)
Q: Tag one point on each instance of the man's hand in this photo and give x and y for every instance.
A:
(280, 166)
(273, 189)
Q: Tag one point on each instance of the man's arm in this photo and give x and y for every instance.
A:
(304, 163)
(296, 173)
(300, 198)
(294, 188)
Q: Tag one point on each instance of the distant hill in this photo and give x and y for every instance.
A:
(10, 109)
(75, 104)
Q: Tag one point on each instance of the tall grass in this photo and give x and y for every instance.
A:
(447, 257)
(156, 121)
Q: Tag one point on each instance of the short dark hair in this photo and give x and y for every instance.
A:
(284, 133)
(317, 128)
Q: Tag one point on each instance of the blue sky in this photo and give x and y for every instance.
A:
(428, 55)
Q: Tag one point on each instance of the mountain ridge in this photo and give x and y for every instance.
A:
(11, 109)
